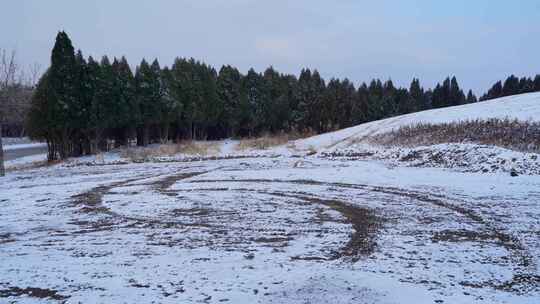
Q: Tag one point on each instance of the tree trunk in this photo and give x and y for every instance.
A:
(165, 133)
(139, 136)
(2, 168)
(146, 135)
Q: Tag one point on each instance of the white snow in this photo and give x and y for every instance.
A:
(23, 146)
(25, 162)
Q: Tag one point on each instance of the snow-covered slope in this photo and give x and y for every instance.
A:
(522, 107)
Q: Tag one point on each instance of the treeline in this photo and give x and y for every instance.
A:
(513, 86)
(81, 106)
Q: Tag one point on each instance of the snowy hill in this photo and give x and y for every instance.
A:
(525, 107)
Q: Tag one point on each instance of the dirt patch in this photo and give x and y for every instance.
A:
(519, 284)
(92, 200)
(164, 184)
(365, 224)
(6, 238)
(504, 240)
(32, 292)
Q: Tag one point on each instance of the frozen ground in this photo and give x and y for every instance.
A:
(268, 230)
(276, 226)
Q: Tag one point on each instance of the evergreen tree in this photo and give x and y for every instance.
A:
(511, 86)
(229, 87)
(526, 85)
(62, 106)
(388, 101)
(494, 92)
(536, 84)
(317, 92)
(456, 95)
(360, 109)
(471, 98)
(331, 115)
(125, 96)
(345, 105)
(40, 124)
(374, 101)
(305, 101)
(276, 103)
(147, 92)
(418, 99)
(253, 85)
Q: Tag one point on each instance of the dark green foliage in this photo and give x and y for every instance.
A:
(448, 94)
(83, 106)
(229, 89)
(471, 98)
(512, 86)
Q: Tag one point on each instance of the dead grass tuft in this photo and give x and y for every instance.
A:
(168, 150)
(268, 141)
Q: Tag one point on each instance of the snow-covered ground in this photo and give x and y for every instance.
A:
(26, 162)
(268, 230)
(11, 143)
(23, 146)
(282, 225)
(20, 153)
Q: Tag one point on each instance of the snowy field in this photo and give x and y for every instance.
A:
(276, 226)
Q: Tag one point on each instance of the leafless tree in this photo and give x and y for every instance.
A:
(8, 74)
(16, 86)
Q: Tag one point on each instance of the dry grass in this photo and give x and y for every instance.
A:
(517, 135)
(262, 143)
(268, 141)
(188, 147)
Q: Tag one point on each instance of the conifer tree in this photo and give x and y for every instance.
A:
(229, 87)
(510, 86)
(418, 98)
(471, 98)
(374, 100)
(456, 95)
(536, 84)
(145, 88)
(125, 99)
(360, 105)
(255, 92)
(526, 85)
(62, 105)
(331, 108)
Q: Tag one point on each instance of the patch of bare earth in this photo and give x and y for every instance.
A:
(7, 291)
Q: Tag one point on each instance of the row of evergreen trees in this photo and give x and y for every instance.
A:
(513, 86)
(81, 105)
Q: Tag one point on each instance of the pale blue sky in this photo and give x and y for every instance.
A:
(479, 41)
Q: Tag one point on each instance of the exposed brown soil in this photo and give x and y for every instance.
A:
(32, 292)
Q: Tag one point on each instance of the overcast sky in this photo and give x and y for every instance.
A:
(479, 41)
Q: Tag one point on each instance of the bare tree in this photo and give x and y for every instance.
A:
(16, 88)
(8, 74)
